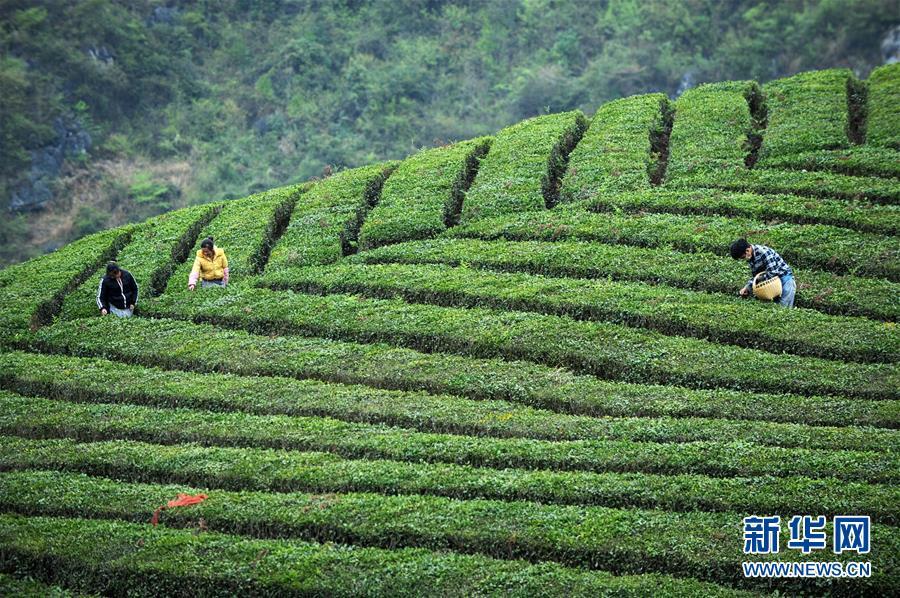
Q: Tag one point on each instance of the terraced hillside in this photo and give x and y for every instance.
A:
(513, 365)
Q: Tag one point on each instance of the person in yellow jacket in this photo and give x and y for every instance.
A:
(210, 266)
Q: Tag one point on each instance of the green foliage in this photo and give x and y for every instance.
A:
(669, 310)
(29, 588)
(615, 153)
(32, 293)
(87, 380)
(806, 112)
(43, 418)
(587, 537)
(521, 171)
(144, 190)
(860, 216)
(180, 345)
(567, 257)
(164, 560)
(327, 219)
(860, 161)
(606, 350)
(883, 123)
(424, 195)
(813, 184)
(710, 130)
(819, 246)
(291, 471)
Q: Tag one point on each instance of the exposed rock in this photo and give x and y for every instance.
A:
(165, 15)
(101, 54)
(890, 46)
(36, 191)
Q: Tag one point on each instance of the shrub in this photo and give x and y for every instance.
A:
(883, 123)
(292, 471)
(700, 271)
(521, 171)
(860, 161)
(162, 561)
(424, 195)
(806, 112)
(819, 246)
(615, 153)
(710, 130)
(668, 310)
(203, 348)
(327, 218)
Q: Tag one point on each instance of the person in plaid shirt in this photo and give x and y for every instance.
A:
(766, 259)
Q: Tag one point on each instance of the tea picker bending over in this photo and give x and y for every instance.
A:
(210, 266)
(765, 265)
(117, 293)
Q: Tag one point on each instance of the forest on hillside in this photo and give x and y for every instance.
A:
(116, 111)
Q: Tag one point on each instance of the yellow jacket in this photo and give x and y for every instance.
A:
(210, 269)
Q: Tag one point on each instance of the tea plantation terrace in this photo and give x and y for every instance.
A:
(511, 365)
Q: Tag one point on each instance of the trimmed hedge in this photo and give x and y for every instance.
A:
(246, 229)
(813, 184)
(606, 350)
(707, 547)
(711, 128)
(615, 153)
(521, 172)
(822, 291)
(44, 418)
(161, 561)
(806, 112)
(424, 195)
(860, 216)
(86, 380)
(151, 256)
(182, 345)
(828, 248)
(671, 311)
(859, 160)
(34, 294)
(883, 123)
(327, 218)
(292, 471)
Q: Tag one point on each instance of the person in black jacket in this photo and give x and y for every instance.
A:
(118, 292)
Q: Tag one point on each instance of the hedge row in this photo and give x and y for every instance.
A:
(424, 195)
(669, 310)
(35, 291)
(327, 218)
(151, 256)
(708, 545)
(522, 170)
(864, 160)
(186, 346)
(806, 112)
(711, 128)
(860, 216)
(813, 184)
(44, 418)
(86, 380)
(822, 291)
(615, 153)
(828, 248)
(292, 471)
(162, 561)
(883, 125)
(246, 229)
(605, 350)
(30, 588)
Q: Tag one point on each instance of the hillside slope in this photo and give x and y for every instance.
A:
(515, 364)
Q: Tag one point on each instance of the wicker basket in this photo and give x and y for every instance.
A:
(766, 290)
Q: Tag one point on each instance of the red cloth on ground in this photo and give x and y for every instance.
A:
(183, 500)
